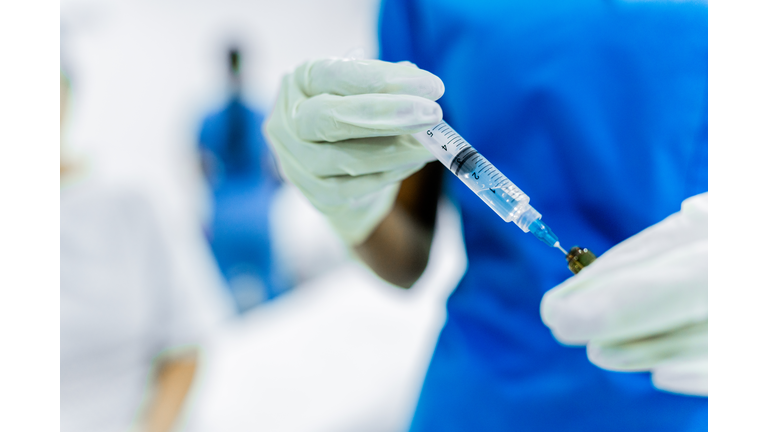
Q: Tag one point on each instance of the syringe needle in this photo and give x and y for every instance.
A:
(557, 245)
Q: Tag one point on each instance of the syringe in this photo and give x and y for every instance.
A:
(486, 181)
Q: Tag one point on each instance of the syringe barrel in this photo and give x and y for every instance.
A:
(475, 171)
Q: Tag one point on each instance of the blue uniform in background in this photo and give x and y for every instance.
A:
(598, 111)
(243, 189)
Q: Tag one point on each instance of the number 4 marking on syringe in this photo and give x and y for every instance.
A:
(429, 132)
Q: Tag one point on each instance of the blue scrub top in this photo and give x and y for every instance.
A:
(598, 111)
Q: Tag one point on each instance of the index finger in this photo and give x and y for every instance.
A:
(346, 77)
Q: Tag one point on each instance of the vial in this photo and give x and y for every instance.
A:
(578, 258)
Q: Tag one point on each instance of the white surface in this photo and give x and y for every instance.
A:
(304, 244)
(345, 352)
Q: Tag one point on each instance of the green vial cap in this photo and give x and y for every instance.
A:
(579, 258)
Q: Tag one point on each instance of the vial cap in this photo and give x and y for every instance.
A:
(578, 258)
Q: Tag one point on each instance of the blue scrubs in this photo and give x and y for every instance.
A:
(597, 110)
(243, 190)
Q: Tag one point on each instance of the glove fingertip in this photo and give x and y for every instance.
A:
(545, 309)
(551, 305)
(567, 339)
(438, 90)
(552, 318)
(691, 380)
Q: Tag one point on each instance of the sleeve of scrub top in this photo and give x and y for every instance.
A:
(395, 32)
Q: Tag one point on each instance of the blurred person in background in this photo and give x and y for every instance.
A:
(598, 110)
(241, 174)
(129, 329)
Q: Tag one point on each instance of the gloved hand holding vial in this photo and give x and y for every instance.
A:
(643, 305)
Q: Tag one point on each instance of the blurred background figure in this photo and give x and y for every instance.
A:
(240, 172)
(131, 323)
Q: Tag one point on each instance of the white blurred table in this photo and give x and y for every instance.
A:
(344, 352)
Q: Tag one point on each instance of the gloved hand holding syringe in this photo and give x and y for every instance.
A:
(348, 133)
(485, 180)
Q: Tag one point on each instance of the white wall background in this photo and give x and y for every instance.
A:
(145, 72)
(342, 352)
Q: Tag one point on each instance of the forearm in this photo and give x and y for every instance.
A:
(174, 379)
(398, 249)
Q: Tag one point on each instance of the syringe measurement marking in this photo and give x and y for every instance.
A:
(482, 167)
(456, 139)
(481, 175)
(453, 138)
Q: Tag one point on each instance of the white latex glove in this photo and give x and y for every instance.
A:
(341, 132)
(643, 304)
